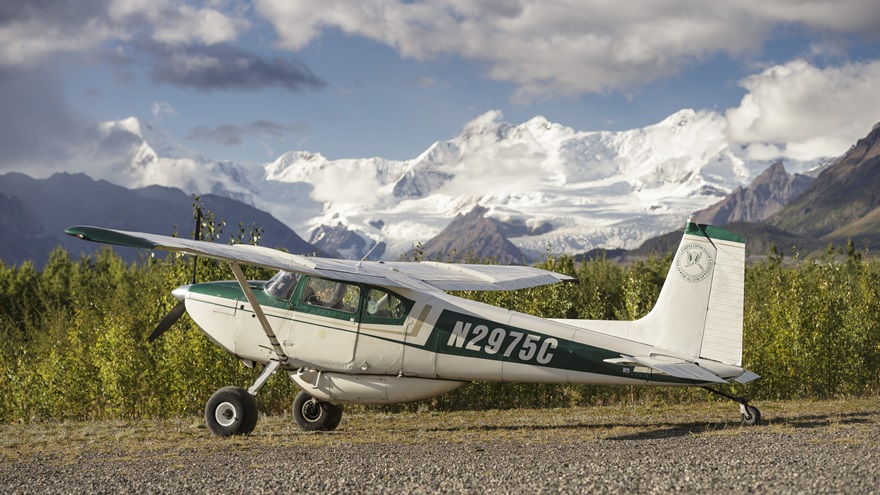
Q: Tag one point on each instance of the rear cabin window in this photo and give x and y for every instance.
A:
(333, 295)
(382, 305)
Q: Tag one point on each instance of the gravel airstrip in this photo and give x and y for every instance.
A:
(814, 447)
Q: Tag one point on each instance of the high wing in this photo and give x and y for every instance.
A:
(425, 276)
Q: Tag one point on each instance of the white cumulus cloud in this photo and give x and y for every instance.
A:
(346, 182)
(800, 111)
(563, 47)
(32, 32)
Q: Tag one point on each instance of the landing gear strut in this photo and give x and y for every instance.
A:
(750, 415)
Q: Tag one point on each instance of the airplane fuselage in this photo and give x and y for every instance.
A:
(435, 343)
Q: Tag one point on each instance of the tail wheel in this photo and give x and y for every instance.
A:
(231, 411)
(311, 414)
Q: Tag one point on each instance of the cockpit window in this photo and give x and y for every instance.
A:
(282, 284)
(331, 294)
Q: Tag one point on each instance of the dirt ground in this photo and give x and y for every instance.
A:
(800, 447)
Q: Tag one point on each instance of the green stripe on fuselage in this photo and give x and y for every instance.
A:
(465, 335)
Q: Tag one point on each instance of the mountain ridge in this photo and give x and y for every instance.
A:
(539, 185)
(842, 194)
(471, 237)
(592, 188)
(45, 207)
(765, 196)
(840, 205)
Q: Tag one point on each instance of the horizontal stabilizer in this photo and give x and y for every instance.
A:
(747, 376)
(689, 371)
(676, 368)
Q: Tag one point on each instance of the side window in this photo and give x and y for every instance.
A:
(329, 294)
(282, 284)
(382, 305)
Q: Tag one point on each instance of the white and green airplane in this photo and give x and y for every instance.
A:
(365, 332)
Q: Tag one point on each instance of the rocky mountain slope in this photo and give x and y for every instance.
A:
(844, 198)
(471, 237)
(842, 204)
(765, 196)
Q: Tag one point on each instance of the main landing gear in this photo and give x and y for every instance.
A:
(233, 410)
(750, 415)
(312, 414)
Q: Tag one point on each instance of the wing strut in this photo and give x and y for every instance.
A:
(258, 311)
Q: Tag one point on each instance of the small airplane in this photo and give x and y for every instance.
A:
(365, 332)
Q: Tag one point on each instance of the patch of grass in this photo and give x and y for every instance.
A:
(64, 442)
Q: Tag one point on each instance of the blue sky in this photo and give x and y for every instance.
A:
(248, 81)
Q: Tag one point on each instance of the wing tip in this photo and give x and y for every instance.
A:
(108, 236)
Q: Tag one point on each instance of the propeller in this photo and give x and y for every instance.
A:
(170, 319)
(178, 310)
(198, 237)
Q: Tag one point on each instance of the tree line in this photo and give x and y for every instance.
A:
(73, 337)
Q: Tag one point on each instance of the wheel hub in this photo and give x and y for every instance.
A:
(225, 414)
(312, 411)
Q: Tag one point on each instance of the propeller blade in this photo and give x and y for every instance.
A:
(170, 319)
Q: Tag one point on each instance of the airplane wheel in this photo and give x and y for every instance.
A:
(231, 411)
(751, 416)
(312, 414)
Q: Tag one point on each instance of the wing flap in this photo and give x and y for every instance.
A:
(449, 276)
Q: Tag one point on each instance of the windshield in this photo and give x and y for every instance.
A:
(282, 284)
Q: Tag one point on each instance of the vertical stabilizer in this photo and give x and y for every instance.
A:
(699, 313)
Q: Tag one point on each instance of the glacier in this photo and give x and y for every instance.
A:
(568, 191)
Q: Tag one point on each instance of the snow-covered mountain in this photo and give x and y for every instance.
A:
(555, 186)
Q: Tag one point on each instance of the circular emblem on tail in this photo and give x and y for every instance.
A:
(694, 263)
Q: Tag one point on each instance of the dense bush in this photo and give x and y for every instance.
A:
(73, 337)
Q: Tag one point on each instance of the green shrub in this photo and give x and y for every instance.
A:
(73, 337)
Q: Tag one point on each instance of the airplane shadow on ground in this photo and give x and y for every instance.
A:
(820, 420)
(658, 430)
(673, 430)
(800, 422)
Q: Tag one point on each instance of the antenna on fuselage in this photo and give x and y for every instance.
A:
(358, 265)
(706, 234)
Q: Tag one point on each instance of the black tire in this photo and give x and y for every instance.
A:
(311, 414)
(334, 417)
(231, 411)
(751, 416)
